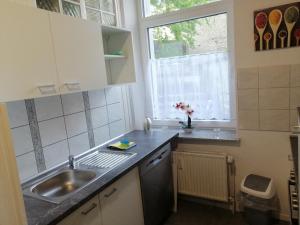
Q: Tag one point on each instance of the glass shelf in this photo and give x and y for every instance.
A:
(107, 57)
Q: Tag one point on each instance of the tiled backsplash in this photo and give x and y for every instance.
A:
(268, 97)
(47, 130)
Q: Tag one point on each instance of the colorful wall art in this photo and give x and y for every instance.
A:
(277, 27)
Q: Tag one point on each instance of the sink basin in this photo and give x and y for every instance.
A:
(59, 186)
(63, 183)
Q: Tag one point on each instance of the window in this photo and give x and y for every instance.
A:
(68, 7)
(101, 11)
(154, 7)
(189, 61)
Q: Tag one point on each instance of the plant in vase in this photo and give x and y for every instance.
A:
(186, 108)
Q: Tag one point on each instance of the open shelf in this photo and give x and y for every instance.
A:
(120, 69)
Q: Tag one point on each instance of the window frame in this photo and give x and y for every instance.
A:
(196, 12)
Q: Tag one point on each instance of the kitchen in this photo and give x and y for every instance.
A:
(71, 87)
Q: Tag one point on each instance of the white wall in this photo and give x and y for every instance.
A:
(244, 37)
(130, 21)
(264, 153)
(260, 152)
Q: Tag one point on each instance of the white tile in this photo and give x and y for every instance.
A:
(56, 154)
(97, 98)
(274, 76)
(295, 75)
(101, 135)
(76, 124)
(72, 103)
(22, 140)
(274, 98)
(52, 131)
(117, 128)
(115, 112)
(79, 144)
(99, 117)
(248, 119)
(294, 97)
(27, 166)
(248, 99)
(247, 78)
(274, 120)
(48, 107)
(17, 113)
(113, 95)
(293, 118)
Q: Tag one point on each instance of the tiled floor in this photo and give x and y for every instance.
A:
(190, 213)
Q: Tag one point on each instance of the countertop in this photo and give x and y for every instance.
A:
(44, 213)
(202, 135)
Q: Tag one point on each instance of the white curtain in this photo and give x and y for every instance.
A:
(199, 80)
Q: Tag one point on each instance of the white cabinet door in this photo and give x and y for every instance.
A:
(26, 53)
(121, 203)
(79, 53)
(88, 214)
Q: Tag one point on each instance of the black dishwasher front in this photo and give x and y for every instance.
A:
(157, 186)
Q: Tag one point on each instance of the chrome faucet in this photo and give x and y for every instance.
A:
(72, 162)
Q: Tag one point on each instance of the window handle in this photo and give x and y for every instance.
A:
(47, 89)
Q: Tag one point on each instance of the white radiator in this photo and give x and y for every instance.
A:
(202, 175)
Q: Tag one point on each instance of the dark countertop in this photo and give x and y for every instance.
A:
(44, 213)
(202, 135)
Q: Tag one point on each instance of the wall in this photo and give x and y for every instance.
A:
(268, 97)
(244, 43)
(137, 90)
(261, 152)
(47, 130)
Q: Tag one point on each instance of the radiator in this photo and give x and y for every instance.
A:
(202, 175)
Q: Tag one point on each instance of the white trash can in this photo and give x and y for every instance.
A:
(259, 201)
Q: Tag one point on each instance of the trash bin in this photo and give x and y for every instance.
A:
(259, 201)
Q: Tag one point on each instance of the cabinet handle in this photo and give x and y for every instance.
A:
(111, 193)
(47, 89)
(93, 206)
(73, 86)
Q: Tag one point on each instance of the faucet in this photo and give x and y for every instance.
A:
(72, 162)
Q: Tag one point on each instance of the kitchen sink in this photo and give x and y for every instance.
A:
(59, 186)
(65, 182)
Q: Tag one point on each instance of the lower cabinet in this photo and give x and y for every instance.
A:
(88, 214)
(118, 204)
(121, 203)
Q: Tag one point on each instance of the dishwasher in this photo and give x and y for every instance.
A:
(157, 186)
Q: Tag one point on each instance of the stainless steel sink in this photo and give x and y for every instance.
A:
(64, 183)
(59, 186)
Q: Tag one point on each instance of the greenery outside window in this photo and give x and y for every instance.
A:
(155, 7)
(188, 58)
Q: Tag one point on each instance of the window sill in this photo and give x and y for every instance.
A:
(206, 136)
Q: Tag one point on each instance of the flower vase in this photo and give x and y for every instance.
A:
(188, 128)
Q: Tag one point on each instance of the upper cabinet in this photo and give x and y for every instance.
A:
(79, 53)
(27, 67)
(118, 51)
(45, 53)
